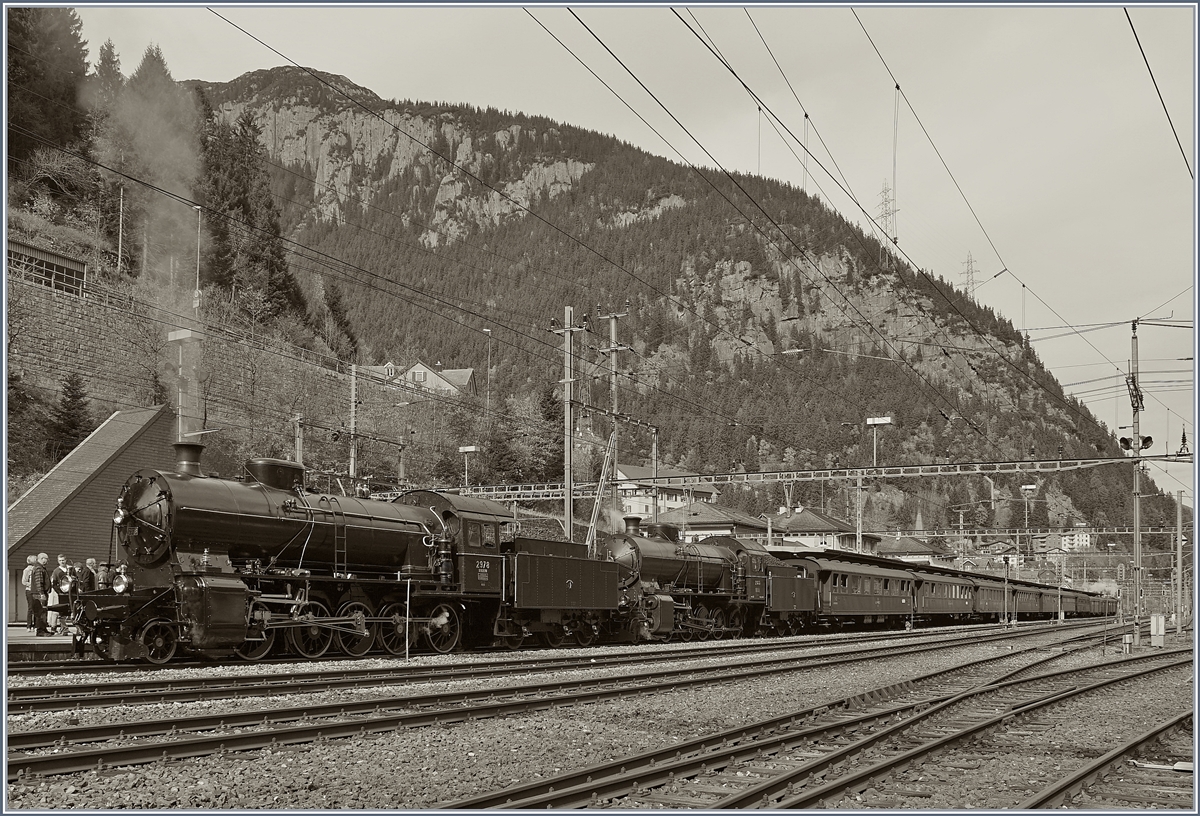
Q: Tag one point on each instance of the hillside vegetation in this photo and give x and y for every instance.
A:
(763, 328)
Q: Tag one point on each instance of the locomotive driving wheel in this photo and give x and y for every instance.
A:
(257, 649)
(444, 630)
(160, 640)
(702, 614)
(353, 643)
(396, 633)
(311, 640)
(737, 623)
(718, 624)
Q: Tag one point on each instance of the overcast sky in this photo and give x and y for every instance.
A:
(1047, 119)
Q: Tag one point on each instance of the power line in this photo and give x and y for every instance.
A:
(1175, 133)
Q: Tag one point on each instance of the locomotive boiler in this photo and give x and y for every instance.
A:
(222, 565)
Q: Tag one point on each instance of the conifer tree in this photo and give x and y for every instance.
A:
(71, 419)
(47, 61)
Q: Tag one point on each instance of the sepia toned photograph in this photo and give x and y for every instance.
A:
(600, 406)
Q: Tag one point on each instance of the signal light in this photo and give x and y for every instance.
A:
(1127, 442)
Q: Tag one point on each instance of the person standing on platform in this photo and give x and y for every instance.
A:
(63, 569)
(39, 586)
(26, 582)
(88, 579)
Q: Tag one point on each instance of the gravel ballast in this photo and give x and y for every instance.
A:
(423, 767)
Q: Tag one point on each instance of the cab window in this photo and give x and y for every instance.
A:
(472, 534)
(489, 536)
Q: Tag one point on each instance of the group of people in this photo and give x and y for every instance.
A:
(43, 589)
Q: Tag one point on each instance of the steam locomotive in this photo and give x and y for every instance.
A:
(259, 564)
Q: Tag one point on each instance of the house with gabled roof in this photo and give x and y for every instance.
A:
(70, 509)
(419, 376)
(916, 551)
(636, 490)
(703, 519)
(808, 529)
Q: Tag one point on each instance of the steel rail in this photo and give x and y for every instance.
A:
(74, 697)
(1058, 794)
(576, 691)
(862, 778)
(661, 766)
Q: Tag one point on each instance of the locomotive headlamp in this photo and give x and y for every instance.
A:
(121, 516)
(122, 583)
(64, 584)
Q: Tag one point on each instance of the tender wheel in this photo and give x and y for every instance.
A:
(718, 624)
(512, 642)
(100, 645)
(553, 637)
(158, 636)
(396, 634)
(737, 623)
(444, 630)
(585, 635)
(257, 649)
(311, 640)
(352, 643)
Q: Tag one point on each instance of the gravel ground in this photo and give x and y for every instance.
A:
(423, 767)
(1035, 753)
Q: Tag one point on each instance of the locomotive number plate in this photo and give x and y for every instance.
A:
(481, 573)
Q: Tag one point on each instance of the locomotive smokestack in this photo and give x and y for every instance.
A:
(187, 458)
(633, 525)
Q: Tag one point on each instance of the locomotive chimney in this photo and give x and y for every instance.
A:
(187, 458)
(633, 525)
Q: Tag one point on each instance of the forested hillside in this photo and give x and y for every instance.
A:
(762, 328)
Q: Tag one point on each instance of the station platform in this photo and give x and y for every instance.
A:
(22, 645)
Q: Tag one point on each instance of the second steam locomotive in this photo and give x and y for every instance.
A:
(259, 564)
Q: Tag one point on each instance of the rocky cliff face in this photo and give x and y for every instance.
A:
(353, 144)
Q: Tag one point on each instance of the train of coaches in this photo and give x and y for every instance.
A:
(259, 565)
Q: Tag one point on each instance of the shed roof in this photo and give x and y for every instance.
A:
(806, 520)
(911, 546)
(79, 468)
(699, 514)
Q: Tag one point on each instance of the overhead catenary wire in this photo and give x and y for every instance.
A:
(1158, 91)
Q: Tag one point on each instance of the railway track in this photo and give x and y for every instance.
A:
(76, 696)
(131, 742)
(1155, 769)
(973, 737)
(74, 666)
(766, 764)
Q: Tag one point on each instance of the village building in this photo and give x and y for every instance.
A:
(700, 520)
(637, 492)
(806, 529)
